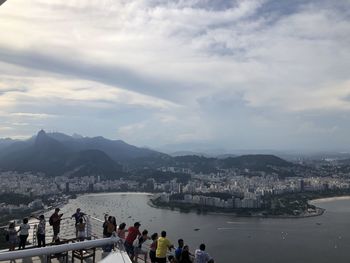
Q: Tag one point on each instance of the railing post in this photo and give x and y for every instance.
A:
(34, 238)
(88, 227)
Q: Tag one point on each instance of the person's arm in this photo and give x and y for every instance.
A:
(170, 246)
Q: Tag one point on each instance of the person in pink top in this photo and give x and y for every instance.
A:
(133, 233)
(121, 231)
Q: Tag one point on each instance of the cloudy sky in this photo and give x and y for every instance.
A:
(247, 74)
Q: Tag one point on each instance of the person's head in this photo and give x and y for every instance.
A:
(122, 226)
(25, 220)
(163, 234)
(180, 242)
(57, 210)
(145, 232)
(114, 220)
(110, 218)
(41, 217)
(186, 248)
(154, 236)
(137, 224)
(202, 247)
(12, 225)
(80, 220)
(78, 210)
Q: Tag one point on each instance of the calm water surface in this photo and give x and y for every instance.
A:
(324, 238)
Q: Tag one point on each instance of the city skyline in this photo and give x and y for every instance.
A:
(250, 74)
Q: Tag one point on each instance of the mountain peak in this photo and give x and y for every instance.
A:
(41, 137)
(42, 140)
(41, 133)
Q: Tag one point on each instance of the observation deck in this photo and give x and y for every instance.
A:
(70, 248)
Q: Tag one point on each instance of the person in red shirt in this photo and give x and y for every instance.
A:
(133, 233)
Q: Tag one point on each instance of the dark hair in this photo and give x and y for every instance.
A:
(110, 218)
(163, 234)
(137, 224)
(144, 232)
(12, 225)
(202, 247)
(180, 241)
(122, 226)
(42, 217)
(171, 257)
(57, 209)
(25, 220)
(154, 236)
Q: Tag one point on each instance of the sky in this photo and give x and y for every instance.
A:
(179, 75)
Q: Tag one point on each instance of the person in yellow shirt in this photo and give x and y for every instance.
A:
(163, 244)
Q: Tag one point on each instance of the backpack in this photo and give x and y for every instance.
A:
(51, 221)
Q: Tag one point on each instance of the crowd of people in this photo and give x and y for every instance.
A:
(159, 249)
(133, 239)
(19, 237)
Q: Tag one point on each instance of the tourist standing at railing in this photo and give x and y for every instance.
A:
(41, 230)
(201, 256)
(163, 245)
(81, 229)
(11, 237)
(55, 222)
(121, 231)
(138, 248)
(109, 226)
(133, 233)
(153, 247)
(23, 233)
(179, 249)
(77, 215)
(185, 255)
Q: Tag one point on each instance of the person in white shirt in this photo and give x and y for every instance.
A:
(23, 233)
(201, 256)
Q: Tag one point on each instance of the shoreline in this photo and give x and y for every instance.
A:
(327, 199)
(319, 212)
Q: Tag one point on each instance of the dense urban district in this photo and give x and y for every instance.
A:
(49, 168)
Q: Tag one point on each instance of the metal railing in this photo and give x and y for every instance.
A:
(56, 249)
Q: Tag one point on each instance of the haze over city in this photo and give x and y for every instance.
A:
(191, 74)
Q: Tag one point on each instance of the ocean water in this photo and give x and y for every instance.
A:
(228, 238)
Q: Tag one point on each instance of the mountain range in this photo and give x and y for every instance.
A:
(60, 154)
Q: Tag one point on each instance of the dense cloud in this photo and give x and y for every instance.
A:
(224, 74)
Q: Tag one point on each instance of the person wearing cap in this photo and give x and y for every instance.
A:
(55, 222)
(133, 233)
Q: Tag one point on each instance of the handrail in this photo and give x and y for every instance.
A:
(10, 255)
